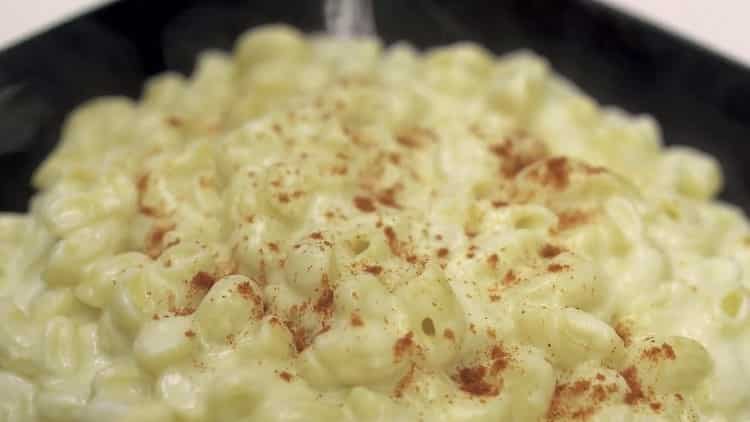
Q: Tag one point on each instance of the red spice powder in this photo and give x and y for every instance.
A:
(499, 204)
(550, 251)
(513, 159)
(392, 240)
(665, 351)
(580, 386)
(624, 332)
(299, 336)
(408, 141)
(155, 239)
(403, 345)
(583, 414)
(471, 380)
(324, 305)
(492, 261)
(557, 173)
(364, 204)
(414, 137)
(571, 219)
(190, 333)
(388, 198)
(356, 320)
(141, 182)
(374, 269)
(404, 382)
(141, 185)
(556, 409)
(339, 170)
(448, 334)
(245, 289)
(316, 236)
(510, 278)
(577, 401)
(286, 376)
(184, 311)
(500, 359)
(635, 391)
(300, 340)
(668, 351)
(202, 281)
(598, 393)
(556, 268)
(442, 252)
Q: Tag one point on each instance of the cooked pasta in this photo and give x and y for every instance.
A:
(319, 229)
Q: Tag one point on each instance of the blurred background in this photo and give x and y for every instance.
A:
(719, 25)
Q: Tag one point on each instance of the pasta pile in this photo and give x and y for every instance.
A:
(313, 229)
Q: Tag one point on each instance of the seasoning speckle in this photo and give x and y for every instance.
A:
(202, 281)
(492, 261)
(550, 251)
(472, 380)
(656, 353)
(635, 391)
(390, 235)
(286, 376)
(403, 345)
(364, 204)
(510, 278)
(448, 334)
(556, 268)
(373, 269)
(624, 332)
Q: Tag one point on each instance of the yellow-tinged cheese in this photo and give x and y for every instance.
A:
(315, 229)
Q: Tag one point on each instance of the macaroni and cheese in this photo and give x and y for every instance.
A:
(314, 229)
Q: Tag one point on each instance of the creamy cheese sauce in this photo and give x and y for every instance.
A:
(311, 229)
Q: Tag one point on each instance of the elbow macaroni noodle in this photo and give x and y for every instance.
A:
(318, 229)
